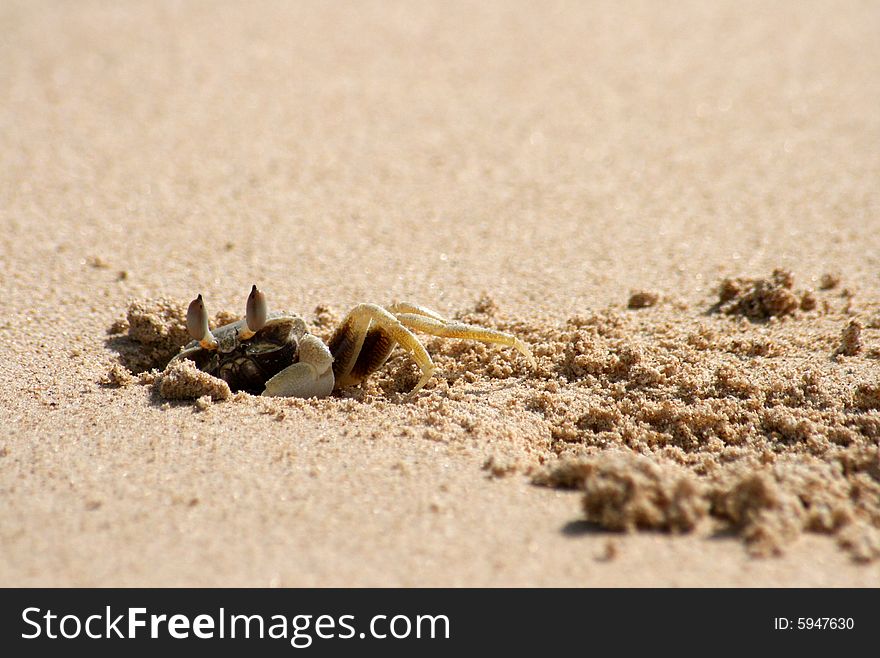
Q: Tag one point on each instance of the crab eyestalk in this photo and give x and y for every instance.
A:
(257, 312)
(197, 324)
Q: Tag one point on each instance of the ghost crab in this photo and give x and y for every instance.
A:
(274, 354)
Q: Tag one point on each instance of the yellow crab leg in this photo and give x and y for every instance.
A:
(430, 325)
(381, 329)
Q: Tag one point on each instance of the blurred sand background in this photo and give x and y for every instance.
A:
(552, 155)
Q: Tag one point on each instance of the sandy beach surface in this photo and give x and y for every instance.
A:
(677, 206)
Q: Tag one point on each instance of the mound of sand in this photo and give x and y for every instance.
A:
(626, 491)
(767, 504)
(663, 421)
(772, 444)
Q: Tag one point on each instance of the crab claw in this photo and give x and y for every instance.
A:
(197, 324)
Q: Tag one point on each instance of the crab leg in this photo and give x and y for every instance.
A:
(369, 332)
(430, 322)
(364, 340)
(398, 308)
(430, 325)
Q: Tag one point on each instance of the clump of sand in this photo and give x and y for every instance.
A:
(642, 299)
(862, 540)
(867, 396)
(767, 515)
(182, 380)
(117, 377)
(771, 504)
(760, 299)
(204, 402)
(158, 326)
(625, 491)
(829, 280)
(768, 505)
(850, 339)
(151, 333)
